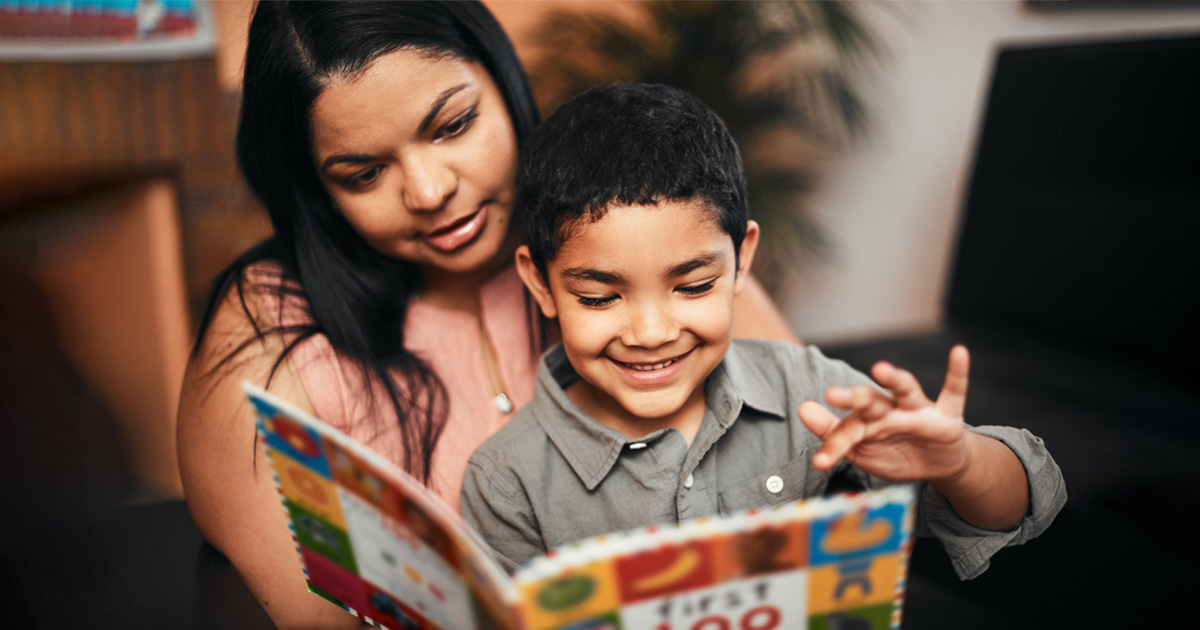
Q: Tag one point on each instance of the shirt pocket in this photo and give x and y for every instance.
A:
(764, 490)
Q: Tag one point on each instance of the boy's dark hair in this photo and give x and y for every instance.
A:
(626, 144)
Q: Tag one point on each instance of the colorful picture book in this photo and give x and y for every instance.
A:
(374, 541)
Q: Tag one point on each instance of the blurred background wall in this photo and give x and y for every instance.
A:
(892, 205)
(99, 155)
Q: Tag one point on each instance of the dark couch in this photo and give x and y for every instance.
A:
(1075, 287)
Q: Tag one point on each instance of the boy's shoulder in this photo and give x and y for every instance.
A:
(790, 372)
(772, 359)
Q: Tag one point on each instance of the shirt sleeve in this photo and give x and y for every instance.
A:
(971, 548)
(500, 514)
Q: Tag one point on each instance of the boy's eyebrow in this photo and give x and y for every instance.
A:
(595, 275)
(359, 158)
(703, 260)
(609, 277)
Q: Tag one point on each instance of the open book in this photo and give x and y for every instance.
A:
(376, 542)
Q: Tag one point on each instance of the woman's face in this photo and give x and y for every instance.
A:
(419, 154)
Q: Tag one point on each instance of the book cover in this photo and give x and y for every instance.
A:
(374, 541)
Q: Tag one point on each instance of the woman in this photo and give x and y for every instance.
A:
(382, 139)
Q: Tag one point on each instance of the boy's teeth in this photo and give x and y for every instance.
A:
(649, 368)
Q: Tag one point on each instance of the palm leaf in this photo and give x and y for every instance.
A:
(776, 72)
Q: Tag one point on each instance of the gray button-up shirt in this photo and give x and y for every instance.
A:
(553, 475)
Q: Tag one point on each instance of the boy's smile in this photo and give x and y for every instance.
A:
(644, 297)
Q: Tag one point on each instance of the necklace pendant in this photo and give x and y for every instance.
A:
(503, 404)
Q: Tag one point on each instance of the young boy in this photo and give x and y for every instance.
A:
(633, 205)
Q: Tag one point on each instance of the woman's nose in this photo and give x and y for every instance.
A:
(650, 326)
(428, 184)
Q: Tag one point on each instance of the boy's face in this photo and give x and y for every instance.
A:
(644, 297)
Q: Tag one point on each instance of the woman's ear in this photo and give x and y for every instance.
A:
(535, 282)
(746, 256)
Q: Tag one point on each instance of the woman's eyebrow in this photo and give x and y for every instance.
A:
(353, 158)
(426, 122)
(438, 105)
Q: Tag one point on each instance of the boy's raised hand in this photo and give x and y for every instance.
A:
(903, 436)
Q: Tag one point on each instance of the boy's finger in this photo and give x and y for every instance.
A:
(869, 403)
(817, 418)
(863, 399)
(873, 404)
(904, 386)
(845, 435)
(953, 397)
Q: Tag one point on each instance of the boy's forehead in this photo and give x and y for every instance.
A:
(700, 213)
(660, 232)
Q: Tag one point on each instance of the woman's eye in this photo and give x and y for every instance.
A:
(596, 301)
(362, 178)
(698, 289)
(457, 126)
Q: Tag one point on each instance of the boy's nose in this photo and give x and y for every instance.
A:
(650, 326)
(428, 185)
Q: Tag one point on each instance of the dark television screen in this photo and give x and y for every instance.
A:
(1082, 215)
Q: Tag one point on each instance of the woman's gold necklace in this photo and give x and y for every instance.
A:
(501, 400)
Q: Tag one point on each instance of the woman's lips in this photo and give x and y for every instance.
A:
(459, 233)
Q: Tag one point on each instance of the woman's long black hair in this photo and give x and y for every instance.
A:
(355, 296)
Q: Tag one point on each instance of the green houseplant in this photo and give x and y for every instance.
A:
(781, 75)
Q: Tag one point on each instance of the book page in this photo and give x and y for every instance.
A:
(837, 562)
(371, 538)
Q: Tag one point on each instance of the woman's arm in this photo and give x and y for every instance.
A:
(226, 476)
(755, 316)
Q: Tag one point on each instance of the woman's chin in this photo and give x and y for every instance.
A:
(481, 257)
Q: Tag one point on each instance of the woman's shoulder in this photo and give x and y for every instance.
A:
(263, 318)
(271, 295)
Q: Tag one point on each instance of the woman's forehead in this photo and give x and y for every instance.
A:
(394, 94)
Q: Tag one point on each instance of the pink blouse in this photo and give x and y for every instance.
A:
(450, 343)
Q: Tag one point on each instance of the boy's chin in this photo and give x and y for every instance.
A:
(652, 410)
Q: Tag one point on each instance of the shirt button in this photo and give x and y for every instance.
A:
(636, 445)
(774, 484)
(687, 483)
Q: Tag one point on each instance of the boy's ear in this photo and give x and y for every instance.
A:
(746, 256)
(535, 282)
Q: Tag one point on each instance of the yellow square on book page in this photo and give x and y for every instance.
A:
(853, 583)
(577, 594)
(308, 489)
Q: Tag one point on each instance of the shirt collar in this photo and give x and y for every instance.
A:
(738, 380)
(588, 446)
(591, 449)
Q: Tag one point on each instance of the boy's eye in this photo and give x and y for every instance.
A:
(698, 289)
(596, 302)
(362, 178)
(457, 126)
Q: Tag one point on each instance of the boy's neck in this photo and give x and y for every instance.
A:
(607, 411)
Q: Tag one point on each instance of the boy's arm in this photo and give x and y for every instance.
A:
(903, 436)
(500, 514)
(991, 491)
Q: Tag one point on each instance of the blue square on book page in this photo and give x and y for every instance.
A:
(858, 534)
(288, 436)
